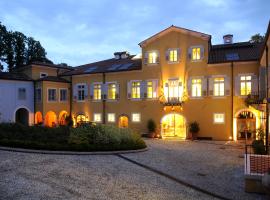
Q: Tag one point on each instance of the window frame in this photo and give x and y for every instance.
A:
(245, 81)
(146, 88)
(131, 90)
(201, 83)
(79, 89)
(218, 113)
(108, 118)
(219, 82)
(100, 117)
(108, 83)
(63, 89)
(140, 117)
(177, 55)
(51, 101)
(191, 51)
(148, 57)
(38, 100)
(101, 92)
(24, 94)
(43, 73)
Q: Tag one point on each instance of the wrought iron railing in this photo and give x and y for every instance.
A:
(173, 101)
(256, 98)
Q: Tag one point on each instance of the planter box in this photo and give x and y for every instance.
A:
(256, 164)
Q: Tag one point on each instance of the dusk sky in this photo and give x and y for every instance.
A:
(82, 31)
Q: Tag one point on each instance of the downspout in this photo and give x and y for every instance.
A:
(267, 106)
(70, 97)
(34, 102)
(103, 100)
(232, 95)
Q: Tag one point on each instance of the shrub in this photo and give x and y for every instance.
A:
(151, 126)
(194, 127)
(258, 147)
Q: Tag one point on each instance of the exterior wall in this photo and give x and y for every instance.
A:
(9, 102)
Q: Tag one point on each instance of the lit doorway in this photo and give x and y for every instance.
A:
(246, 125)
(123, 121)
(173, 125)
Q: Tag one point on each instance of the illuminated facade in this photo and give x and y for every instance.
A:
(180, 77)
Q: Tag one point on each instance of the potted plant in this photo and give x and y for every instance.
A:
(193, 129)
(152, 127)
(266, 182)
(258, 144)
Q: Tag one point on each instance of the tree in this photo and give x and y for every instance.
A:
(3, 32)
(257, 38)
(9, 51)
(19, 41)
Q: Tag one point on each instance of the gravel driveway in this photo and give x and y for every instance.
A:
(216, 168)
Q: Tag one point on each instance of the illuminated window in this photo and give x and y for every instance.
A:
(174, 92)
(173, 55)
(136, 89)
(97, 117)
(97, 91)
(152, 57)
(63, 94)
(111, 117)
(196, 53)
(245, 85)
(219, 86)
(81, 92)
(151, 87)
(219, 118)
(112, 91)
(21, 93)
(51, 94)
(196, 87)
(136, 117)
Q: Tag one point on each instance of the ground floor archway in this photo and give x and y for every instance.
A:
(38, 118)
(245, 125)
(173, 125)
(63, 118)
(123, 121)
(50, 119)
(22, 116)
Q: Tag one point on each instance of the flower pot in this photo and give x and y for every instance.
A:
(266, 183)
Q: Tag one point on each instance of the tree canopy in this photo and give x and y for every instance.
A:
(17, 50)
(257, 38)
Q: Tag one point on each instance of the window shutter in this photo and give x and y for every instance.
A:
(85, 90)
(167, 55)
(129, 90)
(143, 90)
(178, 54)
(189, 87)
(104, 90)
(158, 57)
(211, 86)
(237, 85)
(189, 53)
(254, 84)
(155, 87)
(75, 92)
(91, 91)
(202, 52)
(146, 58)
(117, 91)
(227, 86)
(204, 86)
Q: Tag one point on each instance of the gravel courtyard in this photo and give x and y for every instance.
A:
(213, 167)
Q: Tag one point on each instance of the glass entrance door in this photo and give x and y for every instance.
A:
(173, 125)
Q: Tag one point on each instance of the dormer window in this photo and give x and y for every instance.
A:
(43, 74)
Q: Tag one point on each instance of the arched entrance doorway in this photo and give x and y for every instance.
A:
(38, 118)
(173, 125)
(62, 118)
(22, 116)
(50, 119)
(123, 121)
(245, 125)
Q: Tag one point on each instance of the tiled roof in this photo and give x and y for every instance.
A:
(243, 51)
(14, 76)
(106, 66)
(51, 65)
(54, 79)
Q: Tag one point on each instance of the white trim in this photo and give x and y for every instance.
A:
(60, 94)
(218, 113)
(101, 92)
(48, 101)
(100, 117)
(132, 117)
(135, 99)
(152, 51)
(196, 46)
(108, 117)
(77, 85)
(112, 100)
(178, 56)
(30, 114)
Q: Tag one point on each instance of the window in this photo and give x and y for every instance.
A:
(97, 117)
(81, 94)
(21, 93)
(136, 117)
(219, 118)
(196, 87)
(136, 90)
(151, 89)
(51, 94)
(111, 117)
(43, 74)
(38, 94)
(63, 94)
(196, 53)
(173, 55)
(97, 91)
(245, 85)
(152, 57)
(219, 86)
(111, 91)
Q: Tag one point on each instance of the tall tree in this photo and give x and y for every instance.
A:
(19, 49)
(257, 38)
(9, 51)
(3, 32)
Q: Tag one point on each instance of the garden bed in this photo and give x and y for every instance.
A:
(84, 138)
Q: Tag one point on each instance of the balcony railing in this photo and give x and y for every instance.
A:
(173, 101)
(256, 98)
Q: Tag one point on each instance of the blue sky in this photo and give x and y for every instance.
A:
(83, 31)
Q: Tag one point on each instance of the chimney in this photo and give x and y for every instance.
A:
(228, 39)
(121, 55)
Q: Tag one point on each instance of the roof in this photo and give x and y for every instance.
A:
(54, 79)
(267, 35)
(236, 52)
(51, 65)
(14, 76)
(175, 28)
(107, 66)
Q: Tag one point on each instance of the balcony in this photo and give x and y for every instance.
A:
(173, 101)
(256, 98)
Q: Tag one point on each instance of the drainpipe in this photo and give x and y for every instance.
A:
(267, 108)
(70, 97)
(34, 102)
(232, 95)
(103, 100)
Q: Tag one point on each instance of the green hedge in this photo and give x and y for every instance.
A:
(84, 138)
